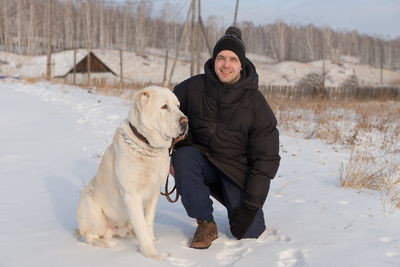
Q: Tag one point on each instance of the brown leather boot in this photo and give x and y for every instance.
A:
(205, 234)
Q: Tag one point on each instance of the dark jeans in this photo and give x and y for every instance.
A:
(197, 179)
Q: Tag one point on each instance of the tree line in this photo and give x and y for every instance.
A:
(25, 27)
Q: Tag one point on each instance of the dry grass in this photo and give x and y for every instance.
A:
(344, 121)
(371, 130)
(359, 173)
(33, 80)
(382, 173)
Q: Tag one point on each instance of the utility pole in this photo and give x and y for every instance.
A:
(323, 64)
(49, 37)
(203, 30)
(382, 60)
(89, 41)
(195, 39)
(179, 45)
(198, 51)
(323, 72)
(236, 11)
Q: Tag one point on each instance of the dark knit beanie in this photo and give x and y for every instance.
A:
(232, 40)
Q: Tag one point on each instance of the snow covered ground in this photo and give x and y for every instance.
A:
(52, 137)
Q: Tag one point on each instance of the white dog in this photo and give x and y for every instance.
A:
(123, 195)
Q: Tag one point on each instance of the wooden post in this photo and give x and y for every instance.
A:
(89, 36)
(74, 66)
(165, 69)
(89, 63)
(121, 81)
(49, 39)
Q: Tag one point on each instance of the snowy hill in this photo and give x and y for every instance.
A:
(149, 67)
(52, 138)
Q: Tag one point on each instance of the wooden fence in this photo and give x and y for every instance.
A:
(359, 93)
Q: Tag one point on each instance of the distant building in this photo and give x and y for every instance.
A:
(99, 71)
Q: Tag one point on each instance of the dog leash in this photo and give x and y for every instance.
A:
(167, 193)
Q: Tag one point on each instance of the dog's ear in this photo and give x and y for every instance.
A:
(143, 98)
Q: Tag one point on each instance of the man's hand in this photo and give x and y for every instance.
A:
(240, 221)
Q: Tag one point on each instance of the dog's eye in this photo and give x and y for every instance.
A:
(165, 106)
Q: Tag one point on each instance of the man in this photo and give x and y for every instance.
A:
(232, 149)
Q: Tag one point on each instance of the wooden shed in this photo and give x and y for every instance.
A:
(100, 72)
(96, 65)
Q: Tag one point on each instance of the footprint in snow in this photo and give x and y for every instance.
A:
(232, 251)
(393, 254)
(386, 239)
(291, 258)
(300, 200)
(181, 262)
(272, 235)
(10, 158)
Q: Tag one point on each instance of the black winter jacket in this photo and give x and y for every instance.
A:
(234, 127)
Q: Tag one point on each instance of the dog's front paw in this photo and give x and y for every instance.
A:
(160, 256)
(98, 242)
(154, 255)
(150, 251)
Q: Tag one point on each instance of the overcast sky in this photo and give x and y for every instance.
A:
(373, 17)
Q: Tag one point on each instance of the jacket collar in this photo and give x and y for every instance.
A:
(248, 76)
(229, 93)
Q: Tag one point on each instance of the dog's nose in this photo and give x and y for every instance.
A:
(183, 121)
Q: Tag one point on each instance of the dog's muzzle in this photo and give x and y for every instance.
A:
(184, 123)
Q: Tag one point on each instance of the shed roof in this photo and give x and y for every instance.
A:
(64, 63)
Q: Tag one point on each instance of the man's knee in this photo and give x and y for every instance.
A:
(187, 162)
(185, 156)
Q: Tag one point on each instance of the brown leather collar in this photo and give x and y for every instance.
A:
(138, 135)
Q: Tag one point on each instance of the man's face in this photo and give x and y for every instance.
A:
(227, 66)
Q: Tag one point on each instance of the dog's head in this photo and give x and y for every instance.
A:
(155, 113)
